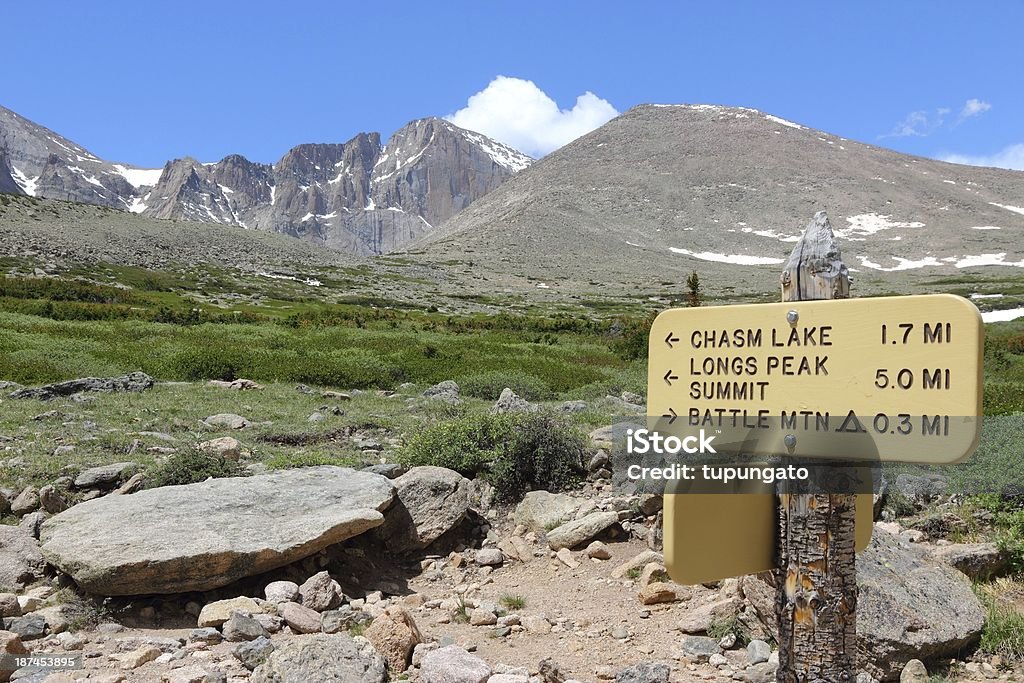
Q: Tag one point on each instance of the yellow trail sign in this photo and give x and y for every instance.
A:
(904, 370)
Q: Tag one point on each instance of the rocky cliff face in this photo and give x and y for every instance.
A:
(44, 164)
(7, 183)
(361, 196)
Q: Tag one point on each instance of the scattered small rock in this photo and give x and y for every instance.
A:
(226, 447)
(226, 421)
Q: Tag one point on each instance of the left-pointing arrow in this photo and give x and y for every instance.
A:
(670, 339)
(669, 377)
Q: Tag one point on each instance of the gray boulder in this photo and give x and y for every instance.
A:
(135, 381)
(447, 391)
(980, 561)
(226, 421)
(644, 672)
(909, 607)
(921, 489)
(29, 626)
(21, 562)
(196, 537)
(758, 651)
(510, 402)
(104, 476)
(241, 627)
(343, 618)
(322, 658)
(623, 407)
(320, 592)
(281, 591)
(540, 511)
(697, 648)
(25, 502)
(580, 531)
(914, 672)
(254, 652)
(429, 502)
(452, 664)
(391, 470)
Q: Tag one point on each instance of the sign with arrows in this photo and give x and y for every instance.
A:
(904, 370)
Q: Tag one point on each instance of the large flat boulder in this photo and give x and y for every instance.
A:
(196, 537)
(134, 381)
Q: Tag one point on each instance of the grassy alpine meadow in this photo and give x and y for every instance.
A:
(185, 328)
(381, 357)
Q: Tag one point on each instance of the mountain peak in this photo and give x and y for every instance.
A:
(359, 196)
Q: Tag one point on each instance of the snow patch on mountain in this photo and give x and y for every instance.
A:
(735, 259)
(27, 185)
(1015, 209)
(503, 155)
(784, 122)
(865, 224)
(1005, 315)
(139, 177)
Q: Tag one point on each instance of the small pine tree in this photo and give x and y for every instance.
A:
(693, 285)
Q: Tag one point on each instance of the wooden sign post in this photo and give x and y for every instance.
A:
(816, 377)
(816, 585)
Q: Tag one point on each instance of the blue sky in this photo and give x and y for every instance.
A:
(145, 82)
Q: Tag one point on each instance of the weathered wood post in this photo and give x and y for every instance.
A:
(816, 586)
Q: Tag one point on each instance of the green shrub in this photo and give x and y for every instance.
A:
(722, 626)
(489, 385)
(898, 504)
(1015, 344)
(1003, 398)
(629, 337)
(189, 467)
(212, 361)
(512, 602)
(516, 452)
(542, 452)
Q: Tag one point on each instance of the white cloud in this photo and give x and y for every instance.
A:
(515, 111)
(973, 107)
(1008, 157)
(918, 124)
(923, 123)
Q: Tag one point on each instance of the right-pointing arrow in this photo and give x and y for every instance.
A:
(671, 415)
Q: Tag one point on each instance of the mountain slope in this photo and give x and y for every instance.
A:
(358, 197)
(663, 190)
(44, 164)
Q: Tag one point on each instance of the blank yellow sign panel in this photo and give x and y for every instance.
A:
(714, 536)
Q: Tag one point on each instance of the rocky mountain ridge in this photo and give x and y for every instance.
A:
(665, 189)
(361, 196)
